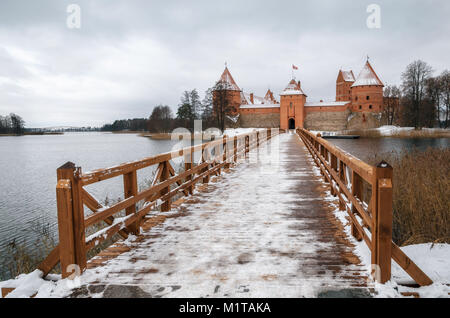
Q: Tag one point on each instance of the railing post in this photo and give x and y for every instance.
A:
(257, 139)
(357, 187)
(342, 176)
(247, 144)
(188, 158)
(269, 133)
(225, 152)
(205, 158)
(334, 167)
(130, 188)
(235, 146)
(382, 235)
(165, 207)
(65, 225)
(69, 172)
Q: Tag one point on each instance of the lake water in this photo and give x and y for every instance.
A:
(28, 175)
(365, 148)
(28, 172)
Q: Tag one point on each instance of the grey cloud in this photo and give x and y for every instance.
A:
(131, 55)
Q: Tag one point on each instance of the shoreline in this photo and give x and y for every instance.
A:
(32, 134)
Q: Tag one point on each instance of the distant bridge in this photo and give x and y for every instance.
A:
(252, 220)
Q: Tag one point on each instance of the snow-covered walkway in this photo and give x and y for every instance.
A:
(261, 229)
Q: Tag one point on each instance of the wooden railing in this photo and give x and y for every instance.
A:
(72, 196)
(365, 192)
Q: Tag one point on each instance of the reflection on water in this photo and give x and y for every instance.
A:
(28, 174)
(365, 148)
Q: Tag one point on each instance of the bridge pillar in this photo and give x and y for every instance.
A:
(382, 229)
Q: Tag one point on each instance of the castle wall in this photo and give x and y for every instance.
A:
(262, 110)
(327, 120)
(364, 120)
(259, 120)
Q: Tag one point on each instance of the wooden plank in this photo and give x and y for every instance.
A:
(363, 169)
(164, 176)
(70, 172)
(384, 226)
(100, 216)
(6, 291)
(50, 261)
(108, 173)
(409, 266)
(95, 206)
(342, 186)
(65, 226)
(357, 189)
(382, 170)
(110, 231)
(130, 189)
(188, 166)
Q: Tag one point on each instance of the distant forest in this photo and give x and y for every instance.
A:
(12, 124)
(162, 119)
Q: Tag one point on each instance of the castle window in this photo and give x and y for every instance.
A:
(370, 106)
(290, 105)
(360, 107)
(356, 98)
(368, 97)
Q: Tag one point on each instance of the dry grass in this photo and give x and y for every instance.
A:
(420, 133)
(421, 195)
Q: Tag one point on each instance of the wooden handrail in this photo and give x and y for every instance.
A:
(72, 196)
(376, 215)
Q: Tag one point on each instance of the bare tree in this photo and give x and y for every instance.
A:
(444, 109)
(414, 81)
(391, 103)
(222, 102)
(161, 119)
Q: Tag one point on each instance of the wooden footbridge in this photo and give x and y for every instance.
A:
(247, 216)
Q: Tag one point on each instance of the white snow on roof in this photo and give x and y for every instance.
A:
(257, 100)
(228, 80)
(367, 77)
(293, 88)
(348, 76)
(292, 92)
(250, 106)
(326, 104)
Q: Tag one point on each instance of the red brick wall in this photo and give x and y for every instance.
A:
(367, 99)
(343, 91)
(292, 106)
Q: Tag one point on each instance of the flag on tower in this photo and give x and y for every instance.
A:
(294, 67)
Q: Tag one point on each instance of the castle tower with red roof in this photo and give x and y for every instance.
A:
(292, 106)
(344, 84)
(367, 91)
(233, 92)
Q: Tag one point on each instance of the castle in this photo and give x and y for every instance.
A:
(359, 104)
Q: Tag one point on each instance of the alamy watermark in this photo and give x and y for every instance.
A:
(374, 19)
(73, 20)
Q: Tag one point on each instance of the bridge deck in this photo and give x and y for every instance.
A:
(261, 230)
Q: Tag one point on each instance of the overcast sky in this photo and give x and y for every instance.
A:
(129, 56)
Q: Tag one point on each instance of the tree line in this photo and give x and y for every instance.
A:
(422, 100)
(12, 124)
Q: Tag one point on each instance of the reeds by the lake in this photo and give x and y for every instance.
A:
(421, 195)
